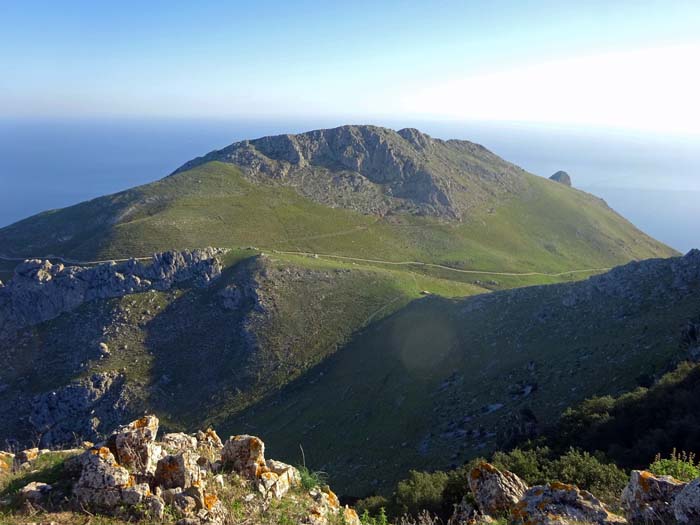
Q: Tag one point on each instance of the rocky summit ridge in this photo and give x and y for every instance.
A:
(376, 170)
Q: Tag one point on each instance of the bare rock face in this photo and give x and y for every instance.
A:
(374, 170)
(561, 504)
(40, 290)
(649, 498)
(686, 504)
(86, 407)
(496, 492)
(245, 455)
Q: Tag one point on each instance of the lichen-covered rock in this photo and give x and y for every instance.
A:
(495, 492)
(101, 480)
(326, 504)
(27, 455)
(648, 499)
(135, 445)
(179, 442)
(686, 504)
(177, 470)
(245, 455)
(278, 480)
(561, 504)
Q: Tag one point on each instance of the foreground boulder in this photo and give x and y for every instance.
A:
(686, 504)
(561, 504)
(135, 445)
(245, 455)
(495, 492)
(648, 498)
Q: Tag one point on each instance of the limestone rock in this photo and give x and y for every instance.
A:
(561, 177)
(561, 504)
(686, 504)
(41, 290)
(178, 470)
(279, 480)
(87, 407)
(245, 455)
(135, 445)
(495, 492)
(648, 498)
(101, 480)
(179, 442)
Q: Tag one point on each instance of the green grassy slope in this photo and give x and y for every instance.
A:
(441, 381)
(547, 228)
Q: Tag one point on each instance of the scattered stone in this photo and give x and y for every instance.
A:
(560, 504)
(101, 481)
(495, 492)
(649, 498)
(104, 350)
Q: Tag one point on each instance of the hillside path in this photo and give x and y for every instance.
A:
(345, 258)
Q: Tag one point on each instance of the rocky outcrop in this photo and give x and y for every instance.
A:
(561, 504)
(686, 504)
(374, 170)
(648, 498)
(41, 290)
(561, 177)
(133, 475)
(87, 407)
(495, 492)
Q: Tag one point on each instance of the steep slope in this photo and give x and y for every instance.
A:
(442, 381)
(353, 191)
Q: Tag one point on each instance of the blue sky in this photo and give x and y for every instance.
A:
(626, 63)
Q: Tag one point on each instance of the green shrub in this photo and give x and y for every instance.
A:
(680, 465)
(371, 505)
(379, 519)
(591, 473)
(531, 465)
(421, 491)
(311, 478)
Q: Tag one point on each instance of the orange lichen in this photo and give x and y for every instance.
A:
(333, 500)
(558, 485)
(644, 478)
(141, 423)
(210, 500)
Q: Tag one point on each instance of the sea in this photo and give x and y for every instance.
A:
(651, 179)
